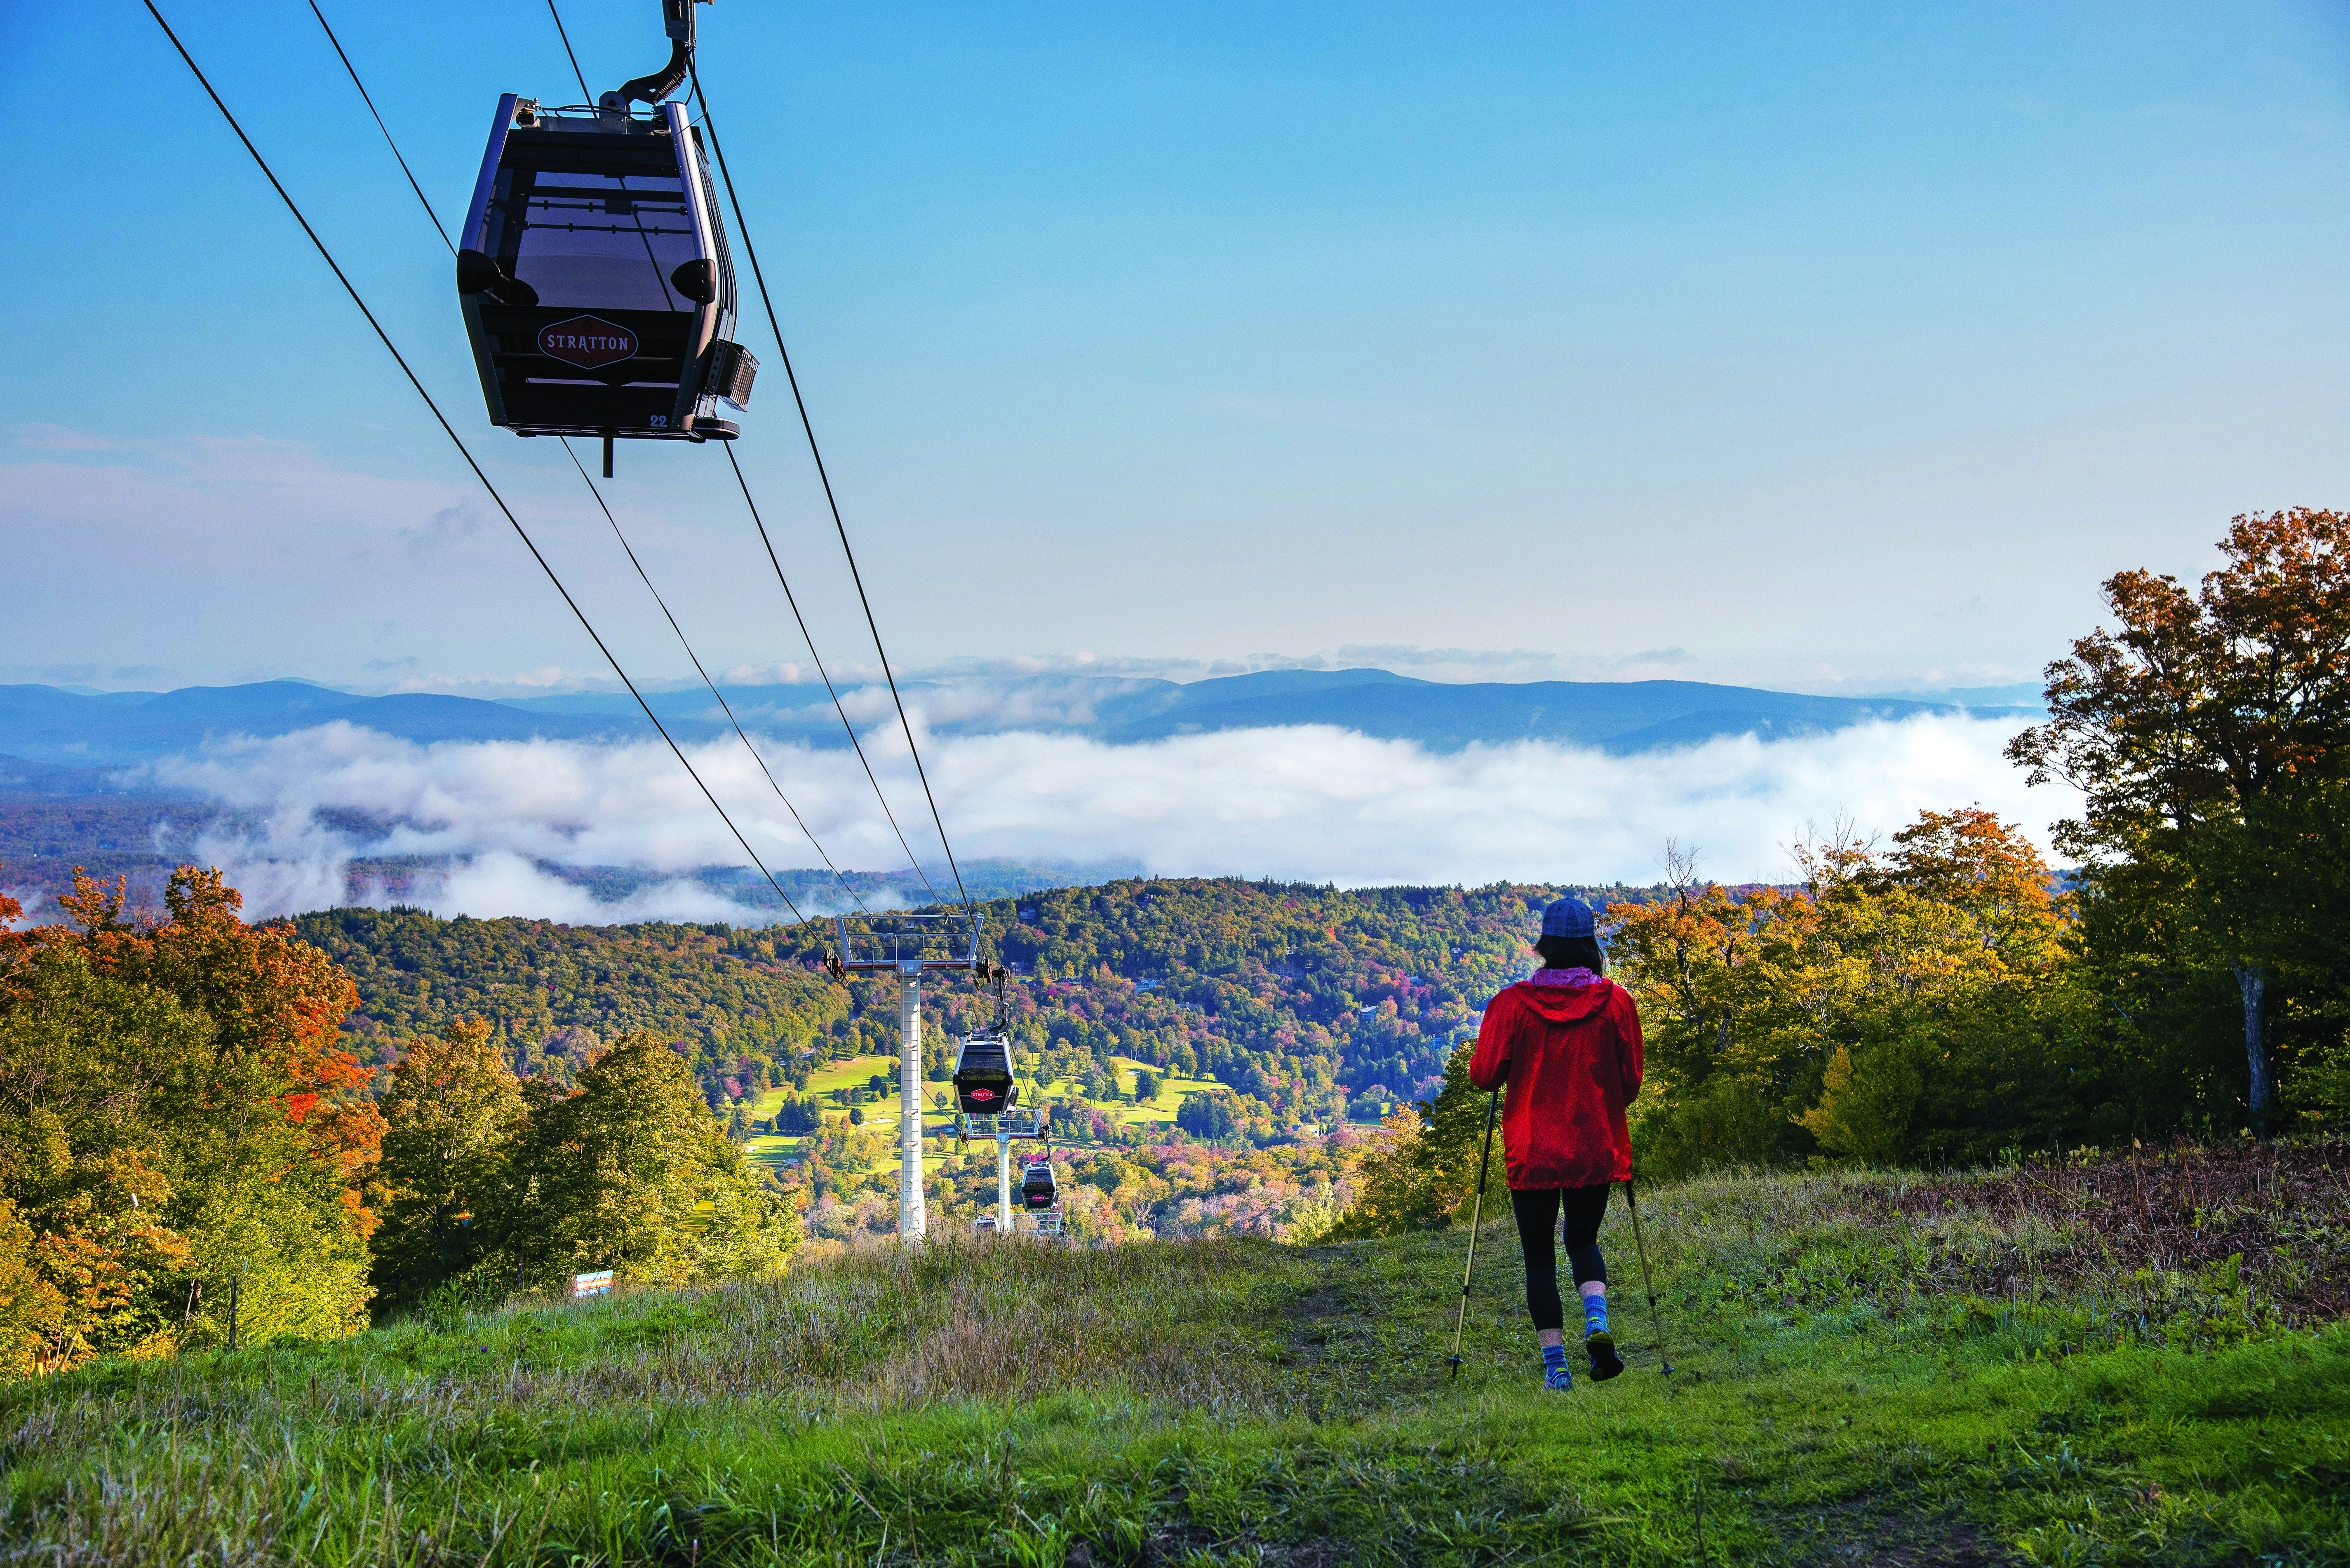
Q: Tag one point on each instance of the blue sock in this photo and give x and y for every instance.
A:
(1595, 1316)
(1554, 1369)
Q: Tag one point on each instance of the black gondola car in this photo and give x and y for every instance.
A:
(983, 1077)
(594, 277)
(1038, 1188)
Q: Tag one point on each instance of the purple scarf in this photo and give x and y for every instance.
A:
(1572, 979)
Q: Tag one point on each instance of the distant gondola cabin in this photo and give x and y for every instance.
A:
(983, 1077)
(1038, 1188)
(594, 277)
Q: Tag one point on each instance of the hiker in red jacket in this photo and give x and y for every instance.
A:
(1568, 1043)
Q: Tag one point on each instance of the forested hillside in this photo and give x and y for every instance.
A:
(1297, 998)
(552, 993)
(1301, 1000)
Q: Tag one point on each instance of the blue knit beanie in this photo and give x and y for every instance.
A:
(1569, 918)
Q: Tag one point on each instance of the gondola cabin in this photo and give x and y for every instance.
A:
(983, 1077)
(594, 277)
(1038, 1190)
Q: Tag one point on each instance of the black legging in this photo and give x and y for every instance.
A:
(1537, 1209)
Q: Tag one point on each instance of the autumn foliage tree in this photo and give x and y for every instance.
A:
(174, 1115)
(1423, 1174)
(2207, 731)
(490, 1184)
(86, 1186)
(1913, 1006)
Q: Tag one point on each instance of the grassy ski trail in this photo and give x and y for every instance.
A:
(1873, 1368)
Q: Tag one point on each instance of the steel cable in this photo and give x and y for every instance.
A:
(449, 431)
(393, 143)
(586, 97)
(792, 599)
(816, 453)
(724, 706)
(379, 125)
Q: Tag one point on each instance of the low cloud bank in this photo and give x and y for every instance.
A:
(1311, 803)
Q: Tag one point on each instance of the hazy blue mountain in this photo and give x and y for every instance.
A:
(48, 726)
(23, 776)
(1620, 716)
(33, 704)
(586, 703)
(1278, 683)
(417, 716)
(262, 701)
(43, 724)
(784, 708)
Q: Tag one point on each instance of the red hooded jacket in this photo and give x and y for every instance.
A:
(1571, 1056)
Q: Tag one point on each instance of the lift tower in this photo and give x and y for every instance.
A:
(907, 946)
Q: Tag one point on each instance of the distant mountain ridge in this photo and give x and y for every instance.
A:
(51, 740)
(42, 724)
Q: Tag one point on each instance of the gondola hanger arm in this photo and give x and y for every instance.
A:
(677, 20)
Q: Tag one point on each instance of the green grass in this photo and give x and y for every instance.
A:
(880, 1115)
(1155, 1116)
(1847, 1382)
(1152, 1116)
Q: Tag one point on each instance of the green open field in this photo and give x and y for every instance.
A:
(1874, 1368)
(852, 1072)
(1158, 1113)
(882, 1116)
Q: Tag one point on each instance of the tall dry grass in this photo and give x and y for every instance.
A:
(857, 1406)
(314, 1453)
(2186, 1245)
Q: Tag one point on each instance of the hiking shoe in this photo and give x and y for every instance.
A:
(1561, 1378)
(1604, 1362)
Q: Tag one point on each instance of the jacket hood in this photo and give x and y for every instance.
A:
(1565, 1004)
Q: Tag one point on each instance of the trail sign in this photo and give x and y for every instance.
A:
(599, 1284)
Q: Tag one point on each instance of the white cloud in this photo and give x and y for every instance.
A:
(503, 883)
(1328, 804)
(539, 682)
(1311, 803)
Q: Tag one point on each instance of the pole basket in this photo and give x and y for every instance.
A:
(897, 943)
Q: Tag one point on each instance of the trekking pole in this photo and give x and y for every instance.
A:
(1461, 1317)
(1656, 1319)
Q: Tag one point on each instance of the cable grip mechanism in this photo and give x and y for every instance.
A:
(677, 20)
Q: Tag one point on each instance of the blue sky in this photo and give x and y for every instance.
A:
(1831, 347)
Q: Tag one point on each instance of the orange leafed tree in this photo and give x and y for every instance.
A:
(174, 1115)
(2202, 730)
(271, 999)
(1905, 1006)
